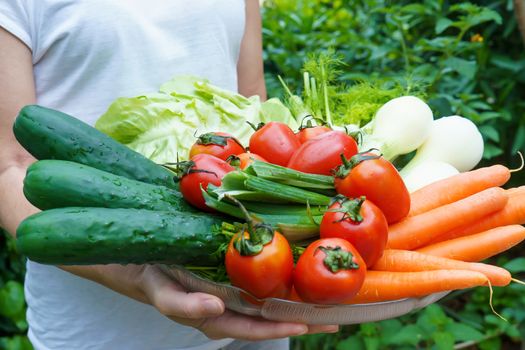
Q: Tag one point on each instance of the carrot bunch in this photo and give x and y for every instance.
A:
(453, 224)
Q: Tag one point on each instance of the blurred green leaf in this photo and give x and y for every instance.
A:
(371, 343)
(11, 299)
(16, 342)
(443, 340)
(464, 67)
(388, 329)
(433, 319)
(409, 335)
(516, 265)
(462, 332)
(512, 331)
(490, 344)
(442, 24)
(474, 15)
(507, 63)
(489, 132)
(519, 139)
(351, 343)
(491, 151)
(8, 326)
(486, 116)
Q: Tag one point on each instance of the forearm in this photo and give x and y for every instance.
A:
(16, 90)
(124, 279)
(14, 206)
(250, 65)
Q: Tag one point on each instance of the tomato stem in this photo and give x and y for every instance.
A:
(180, 168)
(256, 127)
(357, 135)
(297, 251)
(308, 118)
(213, 139)
(184, 168)
(337, 259)
(351, 208)
(234, 161)
(348, 164)
(259, 234)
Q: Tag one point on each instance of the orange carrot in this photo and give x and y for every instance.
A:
(513, 213)
(386, 285)
(411, 261)
(416, 231)
(479, 246)
(457, 187)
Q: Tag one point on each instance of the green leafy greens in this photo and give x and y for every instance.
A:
(163, 125)
(327, 98)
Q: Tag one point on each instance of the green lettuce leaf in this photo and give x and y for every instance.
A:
(162, 126)
(274, 109)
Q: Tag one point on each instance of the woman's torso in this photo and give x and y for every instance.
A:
(86, 53)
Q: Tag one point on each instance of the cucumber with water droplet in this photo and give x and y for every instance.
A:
(85, 236)
(50, 134)
(58, 183)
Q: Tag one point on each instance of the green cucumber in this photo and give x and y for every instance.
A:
(80, 236)
(58, 183)
(50, 134)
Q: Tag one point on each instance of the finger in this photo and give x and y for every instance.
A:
(233, 325)
(188, 305)
(173, 301)
(313, 329)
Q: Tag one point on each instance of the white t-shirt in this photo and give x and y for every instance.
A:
(85, 54)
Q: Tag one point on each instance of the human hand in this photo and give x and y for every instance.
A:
(207, 313)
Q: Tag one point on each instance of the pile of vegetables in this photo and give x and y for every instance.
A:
(372, 240)
(287, 203)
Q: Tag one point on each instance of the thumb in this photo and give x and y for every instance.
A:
(173, 301)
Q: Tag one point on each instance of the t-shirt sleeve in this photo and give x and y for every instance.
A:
(14, 18)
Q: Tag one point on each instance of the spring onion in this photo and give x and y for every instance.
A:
(288, 176)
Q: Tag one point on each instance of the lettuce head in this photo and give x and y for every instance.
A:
(163, 125)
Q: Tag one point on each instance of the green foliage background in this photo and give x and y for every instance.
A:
(13, 325)
(469, 59)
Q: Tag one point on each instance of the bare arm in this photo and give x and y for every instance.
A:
(16, 90)
(250, 65)
(145, 283)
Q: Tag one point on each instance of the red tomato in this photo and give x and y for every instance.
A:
(322, 154)
(294, 296)
(203, 169)
(329, 271)
(267, 274)
(360, 222)
(379, 181)
(244, 159)
(275, 142)
(218, 144)
(309, 133)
